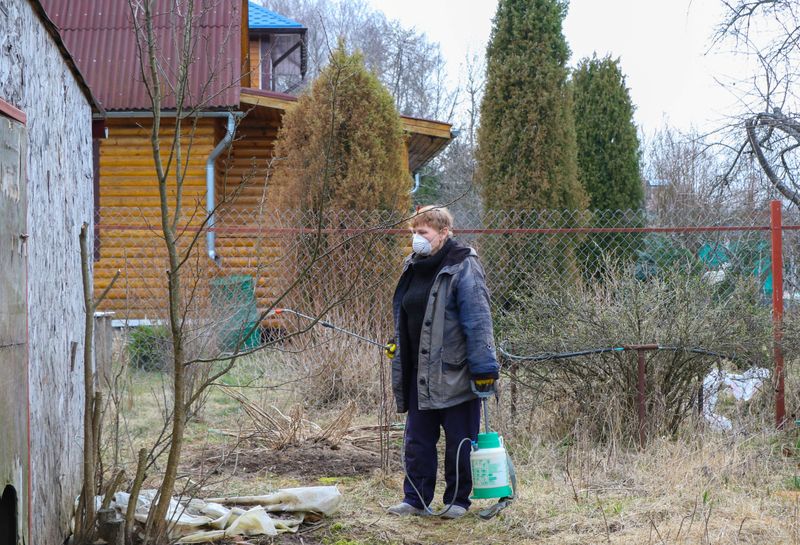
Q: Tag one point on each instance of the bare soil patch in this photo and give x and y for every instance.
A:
(320, 460)
(306, 461)
(302, 537)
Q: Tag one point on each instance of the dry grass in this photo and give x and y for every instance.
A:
(713, 490)
(703, 487)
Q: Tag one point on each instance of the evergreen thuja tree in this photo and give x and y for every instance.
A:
(527, 154)
(342, 145)
(608, 146)
(341, 163)
(608, 160)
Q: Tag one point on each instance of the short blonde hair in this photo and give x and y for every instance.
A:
(435, 216)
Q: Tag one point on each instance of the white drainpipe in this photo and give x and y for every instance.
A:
(211, 236)
(224, 143)
(416, 183)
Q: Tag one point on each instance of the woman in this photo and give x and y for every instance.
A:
(445, 342)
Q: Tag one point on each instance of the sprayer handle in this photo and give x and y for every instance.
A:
(483, 387)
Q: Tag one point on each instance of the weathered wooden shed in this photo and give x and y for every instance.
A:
(46, 171)
(258, 61)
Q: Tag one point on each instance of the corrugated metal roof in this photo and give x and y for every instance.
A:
(99, 35)
(263, 18)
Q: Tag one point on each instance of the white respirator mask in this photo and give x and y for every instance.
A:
(421, 245)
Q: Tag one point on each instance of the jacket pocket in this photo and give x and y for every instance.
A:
(452, 367)
(454, 356)
(455, 373)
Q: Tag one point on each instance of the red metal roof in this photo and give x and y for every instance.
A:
(99, 35)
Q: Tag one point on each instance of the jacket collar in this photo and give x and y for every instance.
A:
(458, 253)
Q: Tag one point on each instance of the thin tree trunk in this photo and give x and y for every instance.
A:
(86, 530)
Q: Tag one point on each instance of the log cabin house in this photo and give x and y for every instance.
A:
(251, 63)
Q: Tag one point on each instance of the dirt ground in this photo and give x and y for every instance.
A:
(306, 462)
(715, 491)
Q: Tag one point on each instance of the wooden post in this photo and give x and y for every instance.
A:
(103, 348)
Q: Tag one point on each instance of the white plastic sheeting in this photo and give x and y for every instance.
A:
(200, 521)
(743, 387)
(315, 499)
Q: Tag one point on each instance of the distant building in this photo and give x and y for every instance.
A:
(654, 189)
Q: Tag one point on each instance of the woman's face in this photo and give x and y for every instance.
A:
(436, 238)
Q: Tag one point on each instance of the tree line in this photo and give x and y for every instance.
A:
(537, 134)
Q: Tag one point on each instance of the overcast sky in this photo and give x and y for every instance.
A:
(662, 45)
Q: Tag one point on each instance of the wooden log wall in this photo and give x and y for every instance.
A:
(130, 217)
(245, 244)
(243, 180)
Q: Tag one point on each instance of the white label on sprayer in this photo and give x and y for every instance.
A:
(489, 468)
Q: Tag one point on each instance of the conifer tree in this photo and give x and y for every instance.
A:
(608, 146)
(342, 146)
(527, 154)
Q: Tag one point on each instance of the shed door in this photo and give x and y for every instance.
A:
(13, 334)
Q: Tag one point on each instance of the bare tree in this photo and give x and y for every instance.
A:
(85, 514)
(166, 71)
(767, 32)
(455, 168)
(687, 172)
(405, 60)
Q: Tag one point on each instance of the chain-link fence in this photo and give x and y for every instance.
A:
(291, 258)
(560, 280)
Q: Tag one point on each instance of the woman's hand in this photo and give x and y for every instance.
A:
(484, 387)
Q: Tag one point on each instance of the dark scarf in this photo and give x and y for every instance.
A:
(420, 276)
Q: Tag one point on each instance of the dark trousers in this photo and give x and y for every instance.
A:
(422, 433)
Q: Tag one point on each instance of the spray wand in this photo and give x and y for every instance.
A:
(389, 347)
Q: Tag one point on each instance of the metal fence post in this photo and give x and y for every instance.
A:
(776, 230)
(640, 394)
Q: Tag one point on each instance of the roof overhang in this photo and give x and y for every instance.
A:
(426, 138)
(266, 31)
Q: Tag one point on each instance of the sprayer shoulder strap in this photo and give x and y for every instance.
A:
(512, 473)
(502, 503)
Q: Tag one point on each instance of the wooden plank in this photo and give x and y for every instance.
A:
(148, 202)
(276, 103)
(9, 110)
(136, 162)
(438, 129)
(244, 58)
(254, 63)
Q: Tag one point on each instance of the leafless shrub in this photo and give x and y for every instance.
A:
(598, 392)
(273, 428)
